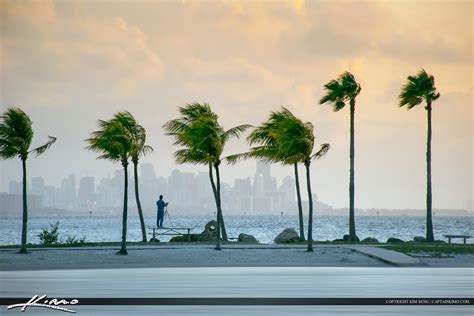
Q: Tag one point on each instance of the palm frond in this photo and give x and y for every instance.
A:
(41, 149)
(323, 150)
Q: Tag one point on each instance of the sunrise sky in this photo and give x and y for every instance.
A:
(69, 63)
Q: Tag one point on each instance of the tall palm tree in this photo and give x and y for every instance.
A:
(338, 93)
(284, 138)
(264, 139)
(139, 149)
(203, 140)
(16, 135)
(297, 142)
(417, 89)
(113, 142)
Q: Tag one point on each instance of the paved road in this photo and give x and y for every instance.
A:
(246, 282)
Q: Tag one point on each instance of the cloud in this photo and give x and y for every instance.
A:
(48, 54)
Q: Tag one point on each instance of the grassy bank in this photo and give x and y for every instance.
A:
(435, 249)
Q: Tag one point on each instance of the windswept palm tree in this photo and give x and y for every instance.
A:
(113, 142)
(417, 89)
(264, 139)
(203, 140)
(338, 93)
(16, 135)
(139, 148)
(285, 139)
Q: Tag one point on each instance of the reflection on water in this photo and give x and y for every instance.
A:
(264, 227)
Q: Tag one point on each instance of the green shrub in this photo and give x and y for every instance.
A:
(50, 237)
(72, 240)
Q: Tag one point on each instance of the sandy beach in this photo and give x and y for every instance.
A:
(165, 256)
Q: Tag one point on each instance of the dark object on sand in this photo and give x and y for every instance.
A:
(394, 240)
(247, 239)
(370, 240)
(346, 238)
(288, 235)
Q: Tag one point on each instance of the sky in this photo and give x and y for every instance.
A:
(70, 63)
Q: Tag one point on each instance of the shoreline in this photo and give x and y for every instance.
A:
(204, 255)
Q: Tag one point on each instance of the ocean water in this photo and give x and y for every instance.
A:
(264, 227)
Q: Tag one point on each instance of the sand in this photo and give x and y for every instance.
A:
(184, 256)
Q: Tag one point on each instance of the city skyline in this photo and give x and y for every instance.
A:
(187, 192)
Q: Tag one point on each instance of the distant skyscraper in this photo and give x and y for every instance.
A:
(37, 186)
(147, 172)
(86, 191)
(264, 169)
(15, 187)
(67, 191)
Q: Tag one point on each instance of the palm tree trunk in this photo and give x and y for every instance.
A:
(123, 249)
(352, 230)
(310, 200)
(219, 204)
(214, 190)
(429, 219)
(300, 207)
(25, 211)
(137, 198)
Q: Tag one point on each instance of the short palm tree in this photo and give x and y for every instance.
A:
(203, 140)
(417, 89)
(139, 149)
(113, 142)
(16, 135)
(338, 93)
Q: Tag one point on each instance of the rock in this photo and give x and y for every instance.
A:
(419, 239)
(184, 238)
(394, 240)
(346, 238)
(209, 232)
(288, 235)
(247, 238)
(370, 240)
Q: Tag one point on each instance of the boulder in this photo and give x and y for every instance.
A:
(247, 239)
(288, 235)
(209, 232)
(394, 240)
(370, 240)
(419, 239)
(184, 238)
(346, 238)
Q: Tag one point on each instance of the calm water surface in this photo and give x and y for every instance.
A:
(265, 227)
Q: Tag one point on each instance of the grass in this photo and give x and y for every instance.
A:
(433, 250)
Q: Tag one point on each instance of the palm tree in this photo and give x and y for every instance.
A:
(264, 138)
(16, 135)
(203, 140)
(297, 142)
(284, 138)
(339, 92)
(421, 88)
(139, 149)
(113, 142)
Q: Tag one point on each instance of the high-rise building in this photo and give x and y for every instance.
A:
(263, 168)
(86, 191)
(37, 186)
(66, 195)
(15, 187)
(147, 172)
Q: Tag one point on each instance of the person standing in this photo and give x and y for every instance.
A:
(160, 205)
